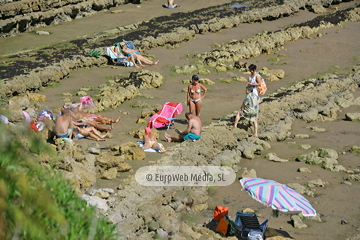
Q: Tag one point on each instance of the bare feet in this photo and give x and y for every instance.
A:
(167, 137)
(116, 120)
(104, 136)
(156, 62)
(110, 128)
(100, 139)
(136, 66)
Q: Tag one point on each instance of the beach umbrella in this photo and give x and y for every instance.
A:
(277, 196)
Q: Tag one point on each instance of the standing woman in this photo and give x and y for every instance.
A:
(194, 96)
(254, 79)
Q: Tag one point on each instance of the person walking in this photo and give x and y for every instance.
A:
(254, 79)
(249, 109)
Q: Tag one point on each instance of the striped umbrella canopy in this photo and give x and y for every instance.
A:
(278, 196)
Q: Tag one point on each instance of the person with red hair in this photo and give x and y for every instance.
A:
(151, 142)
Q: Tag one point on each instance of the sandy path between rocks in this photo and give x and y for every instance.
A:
(337, 47)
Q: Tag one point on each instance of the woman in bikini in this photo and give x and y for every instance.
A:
(194, 96)
(151, 142)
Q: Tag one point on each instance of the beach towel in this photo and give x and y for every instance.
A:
(4, 119)
(149, 149)
(45, 114)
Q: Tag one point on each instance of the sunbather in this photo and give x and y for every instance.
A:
(91, 132)
(82, 117)
(133, 55)
(151, 142)
(170, 4)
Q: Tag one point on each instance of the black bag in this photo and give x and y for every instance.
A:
(232, 230)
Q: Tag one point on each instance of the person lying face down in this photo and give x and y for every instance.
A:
(192, 132)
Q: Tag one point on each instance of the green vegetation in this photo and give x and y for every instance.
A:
(35, 203)
(55, 85)
(140, 104)
(273, 59)
(281, 55)
(355, 149)
(332, 70)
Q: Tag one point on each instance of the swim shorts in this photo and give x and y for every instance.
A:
(191, 136)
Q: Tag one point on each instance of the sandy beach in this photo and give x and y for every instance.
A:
(334, 50)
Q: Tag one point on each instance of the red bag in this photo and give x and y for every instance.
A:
(220, 212)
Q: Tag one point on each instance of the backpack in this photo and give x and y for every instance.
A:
(262, 88)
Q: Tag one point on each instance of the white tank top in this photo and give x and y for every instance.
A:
(252, 80)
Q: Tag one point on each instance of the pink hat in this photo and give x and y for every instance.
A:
(147, 130)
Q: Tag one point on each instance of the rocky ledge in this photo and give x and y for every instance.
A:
(140, 211)
(36, 69)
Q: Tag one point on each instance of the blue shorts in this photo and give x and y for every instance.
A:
(191, 136)
(65, 134)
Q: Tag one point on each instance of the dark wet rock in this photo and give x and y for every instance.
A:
(56, 64)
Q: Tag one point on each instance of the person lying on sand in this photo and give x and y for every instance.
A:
(99, 118)
(66, 128)
(151, 142)
(170, 4)
(90, 132)
(133, 55)
(192, 132)
(249, 109)
(80, 116)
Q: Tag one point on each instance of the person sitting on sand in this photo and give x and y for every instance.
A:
(192, 132)
(151, 142)
(66, 128)
(80, 116)
(134, 55)
(63, 124)
(249, 109)
(170, 4)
